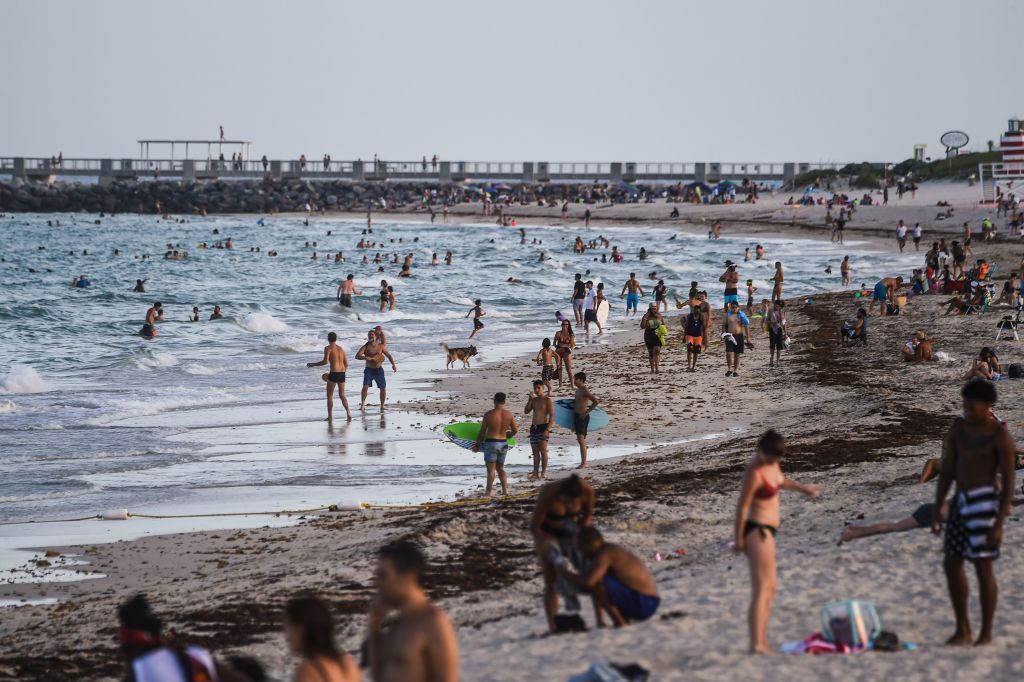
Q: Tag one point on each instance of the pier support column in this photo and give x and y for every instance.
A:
(445, 171)
(528, 175)
(628, 172)
(358, 171)
(106, 172)
(188, 170)
(788, 173)
(275, 169)
(19, 168)
(700, 172)
(542, 174)
(615, 174)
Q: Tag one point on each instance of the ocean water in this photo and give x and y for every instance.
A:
(224, 415)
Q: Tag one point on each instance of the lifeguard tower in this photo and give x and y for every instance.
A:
(1011, 169)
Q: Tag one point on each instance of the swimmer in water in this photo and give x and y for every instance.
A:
(149, 326)
(194, 317)
(216, 314)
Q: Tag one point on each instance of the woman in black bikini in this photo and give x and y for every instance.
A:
(383, 294)
(565, 341)
(757, 521)
(563, 507)
(309, 630)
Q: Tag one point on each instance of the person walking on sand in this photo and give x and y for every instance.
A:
(651, 322)
(757, 522)
(901, 235)
(374, 352)
(583, 404)
(632, 291)
(496, 427)
(543, 409)
(334, 355)
(309, 631)
(549, 362)
(777, 279)
(419, 644)
(563, 507)
(776, 332)
(477, 312)
(734, 328)
(977, 451)
(565, 341)
(346, 289)
(917, 236)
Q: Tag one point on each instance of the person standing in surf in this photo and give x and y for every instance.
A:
(346, 288)
(477, 312)
(579, 294)
(543, 409)
(731, 279)
(632, 291)
(374, 352)
(497, 426)
(334, 355)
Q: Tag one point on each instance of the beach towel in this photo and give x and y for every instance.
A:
(815, 644)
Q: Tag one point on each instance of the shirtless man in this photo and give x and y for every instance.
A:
(618, 581)
(977, 451)
(884, 291)
(374, 351)
(579, 294)
(845, 268)
(420, 644)
(632, 291)
(346, 288)
(583, 404)
(731, 279)
(737, 324)
(705, 311)
(334, 355)
(497, 426)
(152, 315)
(543, 409)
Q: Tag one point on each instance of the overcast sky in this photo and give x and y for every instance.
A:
(548, 80)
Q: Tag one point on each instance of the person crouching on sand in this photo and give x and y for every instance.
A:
(757, 521)
(419, 645)
(618, 581)
(563, 507)
(309, 630)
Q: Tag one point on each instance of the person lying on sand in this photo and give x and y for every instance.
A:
(563, 507)
(419, 644)
(618, 581)
(920, 518)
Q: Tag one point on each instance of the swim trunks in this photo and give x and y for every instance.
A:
(547, 372)
(336, 377)
(494, 451)
(924, 515)
(632, 301)
(538, 433)
(477, 324)
(972, 514)
(346, 300)
(735, 346)
(580, 423)
(147, 330)
(590, 315)
(777, 340)
(577, 305)
(633, 605)
(881, 293)
(374, 374)
(694, 343)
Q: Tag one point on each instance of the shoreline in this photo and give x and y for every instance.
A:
(856, 425)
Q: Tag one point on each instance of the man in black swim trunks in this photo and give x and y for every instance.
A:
(584, 403)
(734, 326)
(334, 355)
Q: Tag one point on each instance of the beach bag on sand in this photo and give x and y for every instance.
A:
(852, 623)
(892, 309)
(1015, 371)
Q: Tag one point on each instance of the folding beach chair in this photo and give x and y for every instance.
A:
(1009, 325)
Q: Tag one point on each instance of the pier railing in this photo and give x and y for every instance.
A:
(190, 170)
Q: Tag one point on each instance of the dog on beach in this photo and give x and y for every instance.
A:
(456, 354)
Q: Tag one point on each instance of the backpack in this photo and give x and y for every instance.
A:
(1015, 371)
(852, 623)
(892, 309)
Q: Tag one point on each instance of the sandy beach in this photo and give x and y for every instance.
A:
(860, 422)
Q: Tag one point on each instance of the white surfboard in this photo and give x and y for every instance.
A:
(602, 312)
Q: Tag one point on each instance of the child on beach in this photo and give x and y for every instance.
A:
(477, 312)
(584, 403)
(693, 333)
(543, 410)
(751, 290)
(757, 521)
(550, 362)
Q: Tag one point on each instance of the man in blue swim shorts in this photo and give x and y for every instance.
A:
(884, 292)
(374, 352)
(632, 291)
(731, 279)
(617, 579)
(497, 426)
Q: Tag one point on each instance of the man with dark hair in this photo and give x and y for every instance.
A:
(978, 454)
(617, 579)
(151, 657)
(496, 427)
(543, 409)
(152, 315)
(584, 402)
(346, 288)
(334, 355)
(420, 642)
(632, 291)
(579, 294)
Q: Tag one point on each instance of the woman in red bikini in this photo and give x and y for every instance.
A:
(757, 521)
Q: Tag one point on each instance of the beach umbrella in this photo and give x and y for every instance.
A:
(473, 190)
(725, 186)
(503, 188)
(699, 185)
(630, 189)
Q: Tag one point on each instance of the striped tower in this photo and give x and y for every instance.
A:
(1012, 144)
